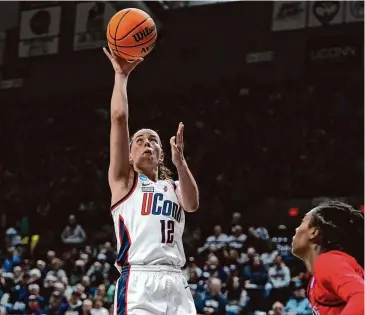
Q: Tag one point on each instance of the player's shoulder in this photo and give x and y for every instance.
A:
(329, 262)
(335, 254)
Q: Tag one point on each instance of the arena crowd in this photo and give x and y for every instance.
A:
(283, 145)
(237, 272)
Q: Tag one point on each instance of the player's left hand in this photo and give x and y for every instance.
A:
(177, 146)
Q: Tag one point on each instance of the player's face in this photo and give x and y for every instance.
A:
(304, 235)
(146, 149)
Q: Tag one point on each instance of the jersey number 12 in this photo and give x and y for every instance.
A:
(167, 231)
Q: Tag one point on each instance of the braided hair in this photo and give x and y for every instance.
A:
(341, 228)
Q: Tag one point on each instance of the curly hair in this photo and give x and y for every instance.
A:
(341, 228)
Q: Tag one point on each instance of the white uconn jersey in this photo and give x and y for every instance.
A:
(149, 224)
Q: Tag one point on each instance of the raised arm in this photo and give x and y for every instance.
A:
(119, 135)
(187, 190)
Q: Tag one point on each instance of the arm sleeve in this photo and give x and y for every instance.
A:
(342, 278)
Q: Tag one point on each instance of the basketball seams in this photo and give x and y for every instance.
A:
(138, 44)
(119, 51)
(132, 28)
(116, 29)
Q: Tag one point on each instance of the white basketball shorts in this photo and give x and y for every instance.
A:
(152, 290)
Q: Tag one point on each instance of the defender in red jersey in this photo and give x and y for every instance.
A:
(330, 241)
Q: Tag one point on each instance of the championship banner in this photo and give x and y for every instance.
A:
(288, 15)
(92, 18)
(325, 13)
(354, 11)
(39, 30)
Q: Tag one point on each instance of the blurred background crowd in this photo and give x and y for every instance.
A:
(266, 140)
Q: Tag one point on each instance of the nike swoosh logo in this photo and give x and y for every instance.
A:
(146, 184)
(186, 286)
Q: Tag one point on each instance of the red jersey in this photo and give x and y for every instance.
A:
(337, 285)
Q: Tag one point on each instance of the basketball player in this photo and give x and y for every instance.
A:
(148, 212)
(330, 241)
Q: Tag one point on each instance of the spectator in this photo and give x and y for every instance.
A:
(213, 302)
(109, 252)
(110, 292)
(96, 274)
(60, 288)
(298, 304)
(87, 259)
(282, 240)
(12, 238)
(41, 265)
(36, 275)
(33, 307)
(232, 258)
(259, 238)
(237, 297)
(218, 239)
(277, 309)
(255, 276)
(18, 274)
(279, 278)
(49, 257)
(56, 269)
(77, 272)
(100, 293)
(56, 306)
(87, 306)
(34, 290)
(68, 289)
(75, 304)
(213, 268)
(85, 283)
(105, 267)
(249, 255)
(269, 255)
(236, 219)
(73, 232)
(12, 259)
(237, 240)
(48, 284)
(98, 308)
(20, 291)
(191, 267)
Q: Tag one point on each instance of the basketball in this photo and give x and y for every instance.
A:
(131, 34)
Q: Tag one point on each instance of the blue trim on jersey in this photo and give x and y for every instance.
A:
(123, 291)
(125, 244)
(130, 192)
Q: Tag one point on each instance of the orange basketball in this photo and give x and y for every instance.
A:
(131, 34)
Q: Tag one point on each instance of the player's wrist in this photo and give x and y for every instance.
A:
(121, 82)
(182, 166)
